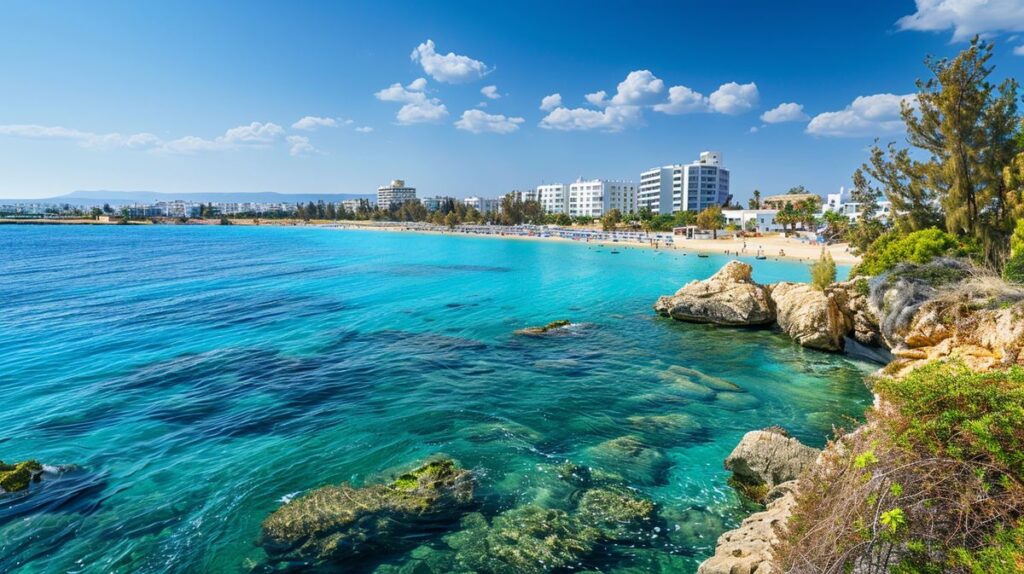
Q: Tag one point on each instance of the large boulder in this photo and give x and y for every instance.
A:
(729, 297)
(767, 458)
(335, 523)
(810, 317)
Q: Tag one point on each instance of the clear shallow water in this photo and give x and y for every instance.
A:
(197, 375)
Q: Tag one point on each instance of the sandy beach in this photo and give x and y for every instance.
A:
(775, 246)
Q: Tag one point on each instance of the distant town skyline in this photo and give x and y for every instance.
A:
(461, 99)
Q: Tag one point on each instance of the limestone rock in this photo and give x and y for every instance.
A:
(766, 458)
(729, 297)
(748, 549)
(810, 317)
(335, 523)
(552, 326)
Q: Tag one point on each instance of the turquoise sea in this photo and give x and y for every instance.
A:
(188, 379)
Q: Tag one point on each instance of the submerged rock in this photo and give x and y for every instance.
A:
(630, 457)
(16, 477)
(765, 459)
(810, 317)
(554, 325)
(729, 297)
(621, 515)
(338, 522)
(528, 539)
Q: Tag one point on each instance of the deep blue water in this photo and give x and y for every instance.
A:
(194, 376)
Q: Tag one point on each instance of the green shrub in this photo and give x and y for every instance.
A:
(1013, 271)
(1017, 239)
(922, 246)
(1004, 554)
(951, 411)
(823, 271)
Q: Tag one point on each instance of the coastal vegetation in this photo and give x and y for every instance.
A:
(963, 174)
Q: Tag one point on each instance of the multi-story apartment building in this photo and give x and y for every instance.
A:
(655, 190)
(434, 203)
(395, 194)
(595, 197)
(482, 204)
(553, 197)
(692, 187)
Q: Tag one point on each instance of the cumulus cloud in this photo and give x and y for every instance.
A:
(638, 86)
(548, 103)
(478, 122)
(682, 100)
(311, 123)
(450, 68)
(491, 92)
(869, 116)
(364, 129)
(298, 145)
(733, 98)
(965, 17)
(254, 134)
(418, 108)
(789, 112)
(610, 119)
(598, 98)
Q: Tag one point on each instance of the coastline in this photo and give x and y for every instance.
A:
(794, 249)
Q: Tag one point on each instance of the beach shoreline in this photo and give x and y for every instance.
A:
(775, 247)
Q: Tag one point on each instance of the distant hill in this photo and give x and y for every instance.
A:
(123, 197)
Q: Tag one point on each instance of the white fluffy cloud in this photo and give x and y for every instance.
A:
(477, 121)
(298, 145)
(682, 100)
(638, 86)
(491, 92)
(597, 98)
(311, 123)
(733, 98)
(364, 129)
(451, 68)
(965, 17)
(610, 119)
(788, 112)
(867, 116)
(418, 108)
(548, 103)
(254, 134)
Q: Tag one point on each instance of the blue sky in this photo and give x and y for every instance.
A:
(210, 96)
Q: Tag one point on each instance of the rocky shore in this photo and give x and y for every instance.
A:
(919, 313)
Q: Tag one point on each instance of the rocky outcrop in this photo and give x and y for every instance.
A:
(861, 322)
(810, 317)
(336, 523)
(765, 459)
(729, 297)
(552, 326)
(16, 477)
(748, 549)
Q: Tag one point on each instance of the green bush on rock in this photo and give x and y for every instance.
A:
(341, 522)
(918, 247)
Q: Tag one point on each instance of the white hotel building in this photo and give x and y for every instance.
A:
(587, 198)
(395, 194)
(691, 187)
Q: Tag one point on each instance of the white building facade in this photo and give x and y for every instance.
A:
(692, 187)
(554, 198)
(395, 194)
(596, 197)
(843, 203)
(482, 204)
(760, 220)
